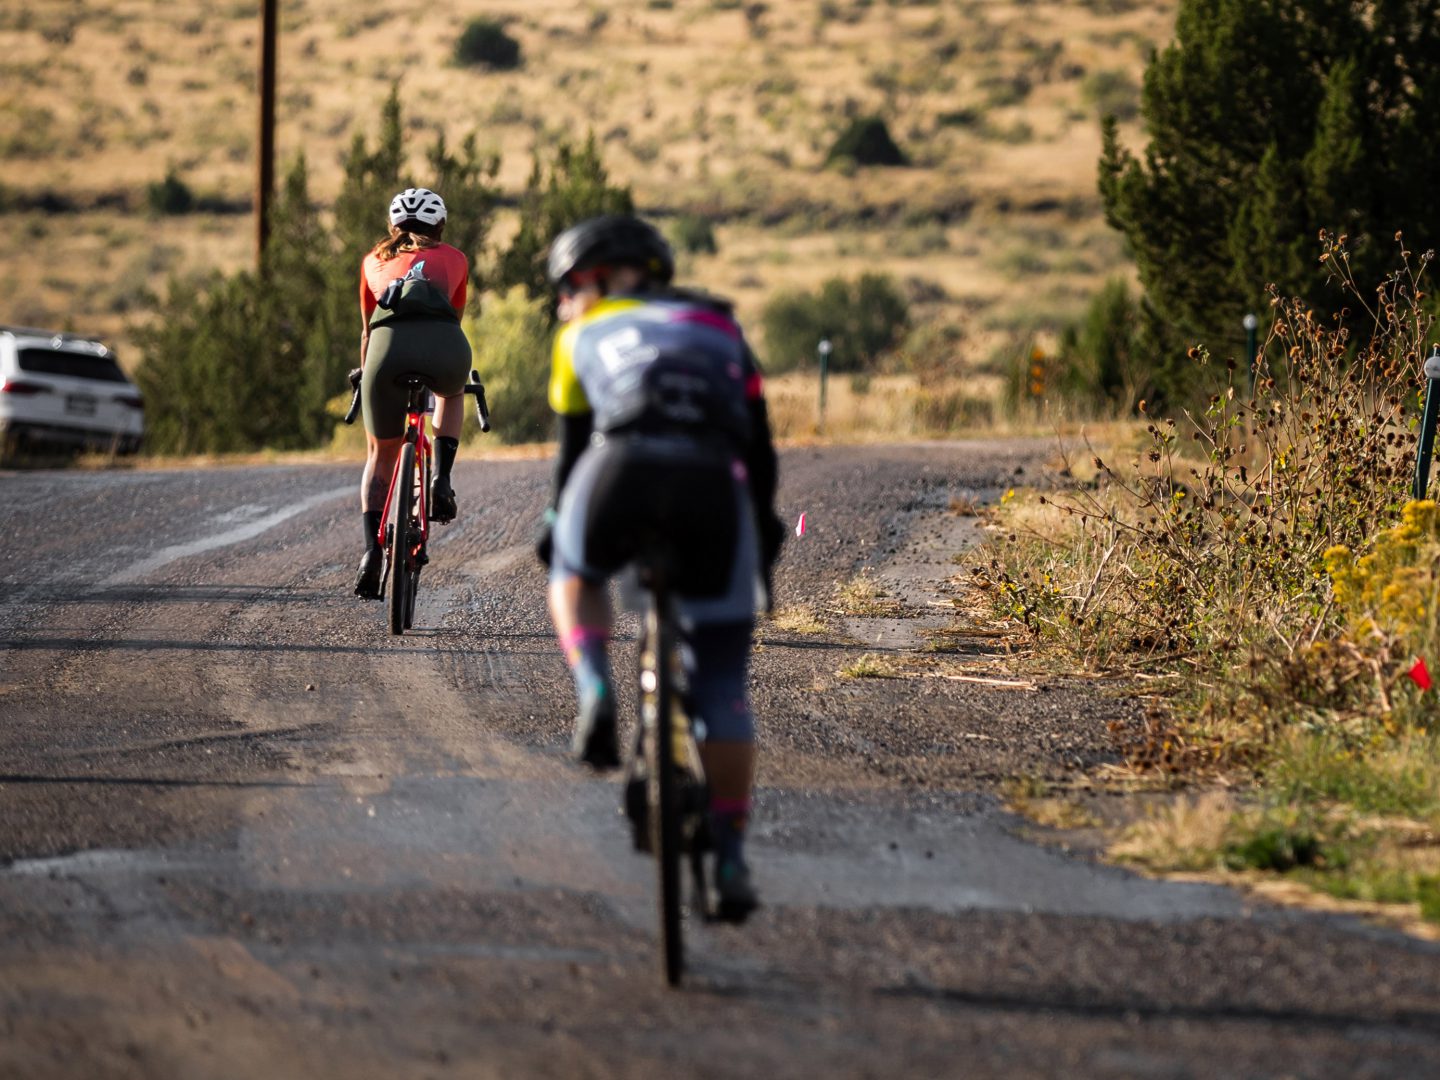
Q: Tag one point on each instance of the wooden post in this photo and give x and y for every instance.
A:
(265, 178)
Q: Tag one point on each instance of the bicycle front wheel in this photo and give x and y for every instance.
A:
(664, 791)
(402, 559)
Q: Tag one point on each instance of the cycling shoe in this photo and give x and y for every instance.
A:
(595, 743)
(442, 501)
(367, 581)
(733, 896)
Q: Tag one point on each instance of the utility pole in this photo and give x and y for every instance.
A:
(265, 178)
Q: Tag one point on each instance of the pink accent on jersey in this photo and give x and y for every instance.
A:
(755, 387)
(712, 319)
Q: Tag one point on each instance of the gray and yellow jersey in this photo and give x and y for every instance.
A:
(664, 362)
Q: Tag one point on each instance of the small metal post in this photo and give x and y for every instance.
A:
(1251, 322)
(824, 349)
(1427, 425)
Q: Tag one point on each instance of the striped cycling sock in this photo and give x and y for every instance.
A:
(587, 653)
(728, 819)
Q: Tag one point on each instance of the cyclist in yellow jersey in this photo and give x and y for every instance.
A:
(663, 427)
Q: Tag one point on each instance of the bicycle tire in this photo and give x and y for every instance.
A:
(419, 525)
(664, 791)
(401, 560)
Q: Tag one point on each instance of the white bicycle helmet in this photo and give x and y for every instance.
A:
(417, 204)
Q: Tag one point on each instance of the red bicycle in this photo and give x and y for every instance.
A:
(405, 520)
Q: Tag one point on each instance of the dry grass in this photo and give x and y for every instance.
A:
(696, 106)
(871, 666)
(798, 619)
(864, 597)
(1186, 834)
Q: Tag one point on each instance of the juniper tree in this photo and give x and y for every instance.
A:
(1268, 120)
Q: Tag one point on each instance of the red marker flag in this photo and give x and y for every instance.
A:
(800, 526)
(1420, 674)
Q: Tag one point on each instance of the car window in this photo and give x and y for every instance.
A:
(74, 364)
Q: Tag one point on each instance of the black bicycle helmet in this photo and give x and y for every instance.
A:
(611, 240)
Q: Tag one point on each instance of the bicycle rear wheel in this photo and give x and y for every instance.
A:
(419, 527)
(664, 790)
(402, 560)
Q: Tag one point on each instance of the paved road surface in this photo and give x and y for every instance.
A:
(245, 832)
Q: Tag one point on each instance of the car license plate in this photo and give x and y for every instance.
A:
(80, 405)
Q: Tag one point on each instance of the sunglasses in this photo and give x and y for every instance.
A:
(575, 281)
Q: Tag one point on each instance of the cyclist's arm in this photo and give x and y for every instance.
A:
(575, 419)
(761, 464)
(573, 433)
(367, 308)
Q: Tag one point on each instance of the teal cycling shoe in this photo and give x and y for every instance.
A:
(733, 894)
(595, 743)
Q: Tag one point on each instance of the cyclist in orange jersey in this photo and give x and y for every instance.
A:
(412, 291)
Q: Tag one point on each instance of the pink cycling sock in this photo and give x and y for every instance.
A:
(587, 653)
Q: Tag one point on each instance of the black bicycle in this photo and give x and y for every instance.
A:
(404, 535)
(665, 793)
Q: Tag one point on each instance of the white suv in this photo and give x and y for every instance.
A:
(64, 390)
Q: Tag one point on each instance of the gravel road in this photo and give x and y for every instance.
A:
(245, 832)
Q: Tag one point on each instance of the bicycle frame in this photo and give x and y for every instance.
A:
(667, 755)
(414, 433)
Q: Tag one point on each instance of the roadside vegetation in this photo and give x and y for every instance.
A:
(1258, 567)
(1252, 559)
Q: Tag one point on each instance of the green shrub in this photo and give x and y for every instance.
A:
(693, 233)
(862, 319)
(485, 43)
(512, 340)
(170, 196)
(572, 186)
(866, 141)
(1112, 93)
(1106, 364)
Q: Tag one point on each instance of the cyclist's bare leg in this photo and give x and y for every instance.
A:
(729, 770)
(449, 415)
(581, 613)
(380, 455)
(576, 603)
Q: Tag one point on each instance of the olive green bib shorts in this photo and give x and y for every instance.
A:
(419, 335)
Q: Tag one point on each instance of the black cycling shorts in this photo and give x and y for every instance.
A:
(631, 493)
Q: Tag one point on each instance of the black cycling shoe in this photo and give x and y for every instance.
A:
(441, 507)
(367, 581)
(595, 743)
(733, 896)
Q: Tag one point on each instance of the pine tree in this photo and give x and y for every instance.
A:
(574, 186)
(1267, 121)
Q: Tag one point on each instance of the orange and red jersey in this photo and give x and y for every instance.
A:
(446, 266)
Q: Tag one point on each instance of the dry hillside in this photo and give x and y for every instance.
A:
(715, 106)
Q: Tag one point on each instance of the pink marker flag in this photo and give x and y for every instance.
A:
(1420, 674)
(800, 526)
